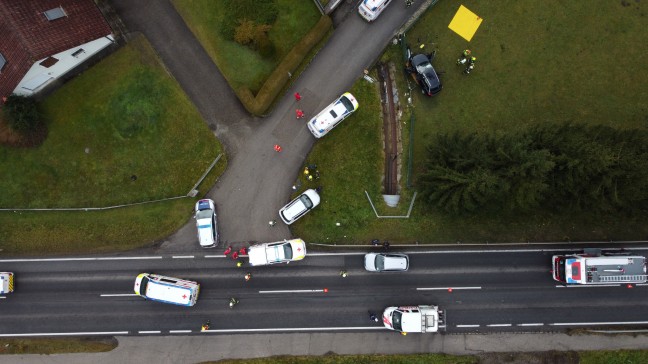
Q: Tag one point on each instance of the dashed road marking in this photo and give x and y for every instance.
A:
(468, 325)
(587, 285)
(296, 291)
(598, 323)
(445, 288)
(179, 331)
(533, 324)
(150, 332)
(499, 325)
(182, 257)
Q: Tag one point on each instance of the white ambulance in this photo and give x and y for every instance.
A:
(370, 9)
(6, 282)
(171, 290)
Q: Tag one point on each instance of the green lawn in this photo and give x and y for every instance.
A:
(240, 65)
(47, 346)
(536, 63)
(123, 117)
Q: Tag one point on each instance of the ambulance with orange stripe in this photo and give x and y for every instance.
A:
(6, 282)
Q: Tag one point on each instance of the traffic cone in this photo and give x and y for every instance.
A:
(277, 148)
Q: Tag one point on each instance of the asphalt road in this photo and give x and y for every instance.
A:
(491, 292)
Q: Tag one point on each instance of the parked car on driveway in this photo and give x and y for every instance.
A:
(205, 216)
(278, 252)
(332, 115)
(425, 75)
(386, 262)
(299, 206)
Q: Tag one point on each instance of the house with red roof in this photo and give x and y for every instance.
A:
(42, 40)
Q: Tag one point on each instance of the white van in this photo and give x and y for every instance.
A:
(370, 9)
(332, 115)
(6, 282)
(167, 289)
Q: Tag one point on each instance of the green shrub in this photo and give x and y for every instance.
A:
(22, 114)
(236, 11)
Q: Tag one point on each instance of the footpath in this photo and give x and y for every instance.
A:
(212, 347)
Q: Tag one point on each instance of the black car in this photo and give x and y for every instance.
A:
(426, 76)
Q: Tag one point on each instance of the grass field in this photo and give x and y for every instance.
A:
(57, 345)
(240, 65)
(124, 117)
(536, 63)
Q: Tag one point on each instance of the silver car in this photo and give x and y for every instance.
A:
(386, 262)
(299, 206)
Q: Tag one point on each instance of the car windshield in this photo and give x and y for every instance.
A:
(561, 269)
(306, 201)
(143, 285)
(396, 320)
(204, 214)
(287, 251)
(380, 262)
(424, 68)
(347, 103)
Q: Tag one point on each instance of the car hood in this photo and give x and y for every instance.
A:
(298, 248)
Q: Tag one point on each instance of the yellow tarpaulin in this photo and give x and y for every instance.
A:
(465, 23)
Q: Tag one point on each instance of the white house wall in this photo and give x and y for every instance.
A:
(38, 76)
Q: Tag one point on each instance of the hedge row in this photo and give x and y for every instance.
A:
(279, 77)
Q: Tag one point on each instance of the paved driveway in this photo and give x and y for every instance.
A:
(258, 180)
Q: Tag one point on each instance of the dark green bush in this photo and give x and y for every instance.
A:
(257, 11)
(22, 114)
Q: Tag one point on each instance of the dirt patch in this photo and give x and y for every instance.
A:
(391, 129)
(547, 357)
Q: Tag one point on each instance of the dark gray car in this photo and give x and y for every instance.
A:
(425, 74)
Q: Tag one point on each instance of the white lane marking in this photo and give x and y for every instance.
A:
(300, 329)
(179, 331)
(2, 297)
(75, 259)
(225, 256)
(468, 325)
(599, 323)
(295, 291)
(118, 295)
(67, 333)
(534, 324)
(642, 284)
(499, 325)
(346, 253)
(182, 257)
(149, 332)
(587, 285)
(445, 288)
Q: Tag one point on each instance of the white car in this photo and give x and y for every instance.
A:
(332, 115)
(386, 262)
(279, 252)
(206, 223)
(299, 206)
(370, 9)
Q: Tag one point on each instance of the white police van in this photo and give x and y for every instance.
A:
(171, 290)
(370, 9)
